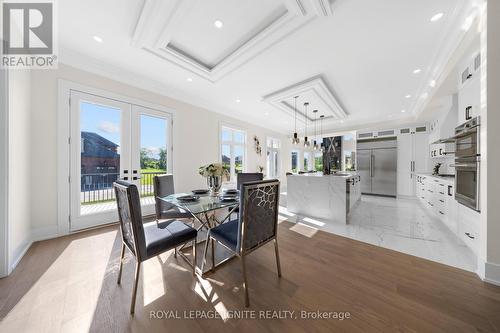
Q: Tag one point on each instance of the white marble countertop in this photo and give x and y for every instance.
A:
(343, 175)
(448, 180)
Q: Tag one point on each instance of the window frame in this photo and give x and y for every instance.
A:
(270, 149)
(232, 144)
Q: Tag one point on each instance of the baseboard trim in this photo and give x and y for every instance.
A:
(19, 254)
(492, 273)
(43, 233)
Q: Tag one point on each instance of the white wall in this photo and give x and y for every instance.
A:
(490, 141)
(19, 165)
(196, 138)
(4, 106)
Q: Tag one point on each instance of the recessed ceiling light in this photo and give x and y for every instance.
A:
(341, 121)
(416, 71)
(189, 79)
(238, 100)
(403, 111)
(432, 83)
(98, 39)
(437, 17)
(218, 24)
(408, 96)
(266, 114)
(425, 95)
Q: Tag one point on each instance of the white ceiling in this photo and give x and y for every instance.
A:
(365, 52)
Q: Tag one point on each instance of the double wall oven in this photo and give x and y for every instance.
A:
(467, 163)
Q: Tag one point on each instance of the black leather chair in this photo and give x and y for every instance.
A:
(256, 225)
(245, 177)
(145, 242)
(164, 186)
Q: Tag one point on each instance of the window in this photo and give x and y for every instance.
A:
(307, 160)
(273, 157)
(295, 161)
(318, 162)
(232, 150)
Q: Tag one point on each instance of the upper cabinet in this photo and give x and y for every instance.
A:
(469, 95)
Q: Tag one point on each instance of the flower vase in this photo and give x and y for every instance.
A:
(214, 184)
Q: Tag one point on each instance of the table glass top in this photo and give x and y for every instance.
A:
(205, 203)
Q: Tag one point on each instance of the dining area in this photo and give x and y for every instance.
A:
(207, 228)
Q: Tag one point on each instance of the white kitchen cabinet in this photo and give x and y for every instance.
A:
(438, 197)
(469, 100)
(413, 158)
(468, 227)
(451, 219)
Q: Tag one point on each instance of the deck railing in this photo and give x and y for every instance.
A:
(98, 187)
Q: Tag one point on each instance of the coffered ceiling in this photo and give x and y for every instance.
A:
(353, 60)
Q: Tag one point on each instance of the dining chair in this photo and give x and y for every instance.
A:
(163, 186)
(245, 177)
(256, 225)
(145, 242)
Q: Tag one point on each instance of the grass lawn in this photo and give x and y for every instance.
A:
(147, 179)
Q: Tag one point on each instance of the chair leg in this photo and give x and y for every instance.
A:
(195, 261)
(134, 291)
(213, 255)
(245, 282)
(277, 256)
(205, 254)
(121, 264)
(175, 252)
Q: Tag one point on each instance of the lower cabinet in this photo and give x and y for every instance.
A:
(438, 196)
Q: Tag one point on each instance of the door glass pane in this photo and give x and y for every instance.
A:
(226, 156)
(154, 155)
(238, 159)
(318, 162)
(306, 161)
(99, 156)
(226, 135)
(295, 157)
(239, 137)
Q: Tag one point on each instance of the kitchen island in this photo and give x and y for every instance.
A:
(327, 197)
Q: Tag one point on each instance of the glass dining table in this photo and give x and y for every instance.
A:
(204, 210)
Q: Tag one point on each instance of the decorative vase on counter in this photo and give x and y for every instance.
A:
(214, 184)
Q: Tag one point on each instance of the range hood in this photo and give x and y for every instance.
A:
(445, 125)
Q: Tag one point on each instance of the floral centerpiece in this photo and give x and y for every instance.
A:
(214, 173)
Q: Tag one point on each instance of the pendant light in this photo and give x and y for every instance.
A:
(306, 142)
(321, 131)
(315, 143)
(295, 139)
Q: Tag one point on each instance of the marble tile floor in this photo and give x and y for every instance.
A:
(398, 224)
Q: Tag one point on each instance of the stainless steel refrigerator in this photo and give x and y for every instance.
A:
(377, 166)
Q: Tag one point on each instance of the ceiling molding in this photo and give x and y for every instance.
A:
(451, 37)
(149, 25)
(322, 7)
(316, 88)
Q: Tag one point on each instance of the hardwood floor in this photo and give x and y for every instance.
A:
(69, 285)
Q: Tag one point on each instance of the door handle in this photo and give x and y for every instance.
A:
(373, 165)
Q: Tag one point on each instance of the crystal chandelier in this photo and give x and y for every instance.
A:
(307, 143)
(295, 139)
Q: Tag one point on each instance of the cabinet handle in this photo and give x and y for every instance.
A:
(449, 190)
(469, 235)
(442, 193)
(441, 200)
(440, 212)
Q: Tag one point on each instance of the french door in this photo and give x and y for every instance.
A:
(113, 140)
